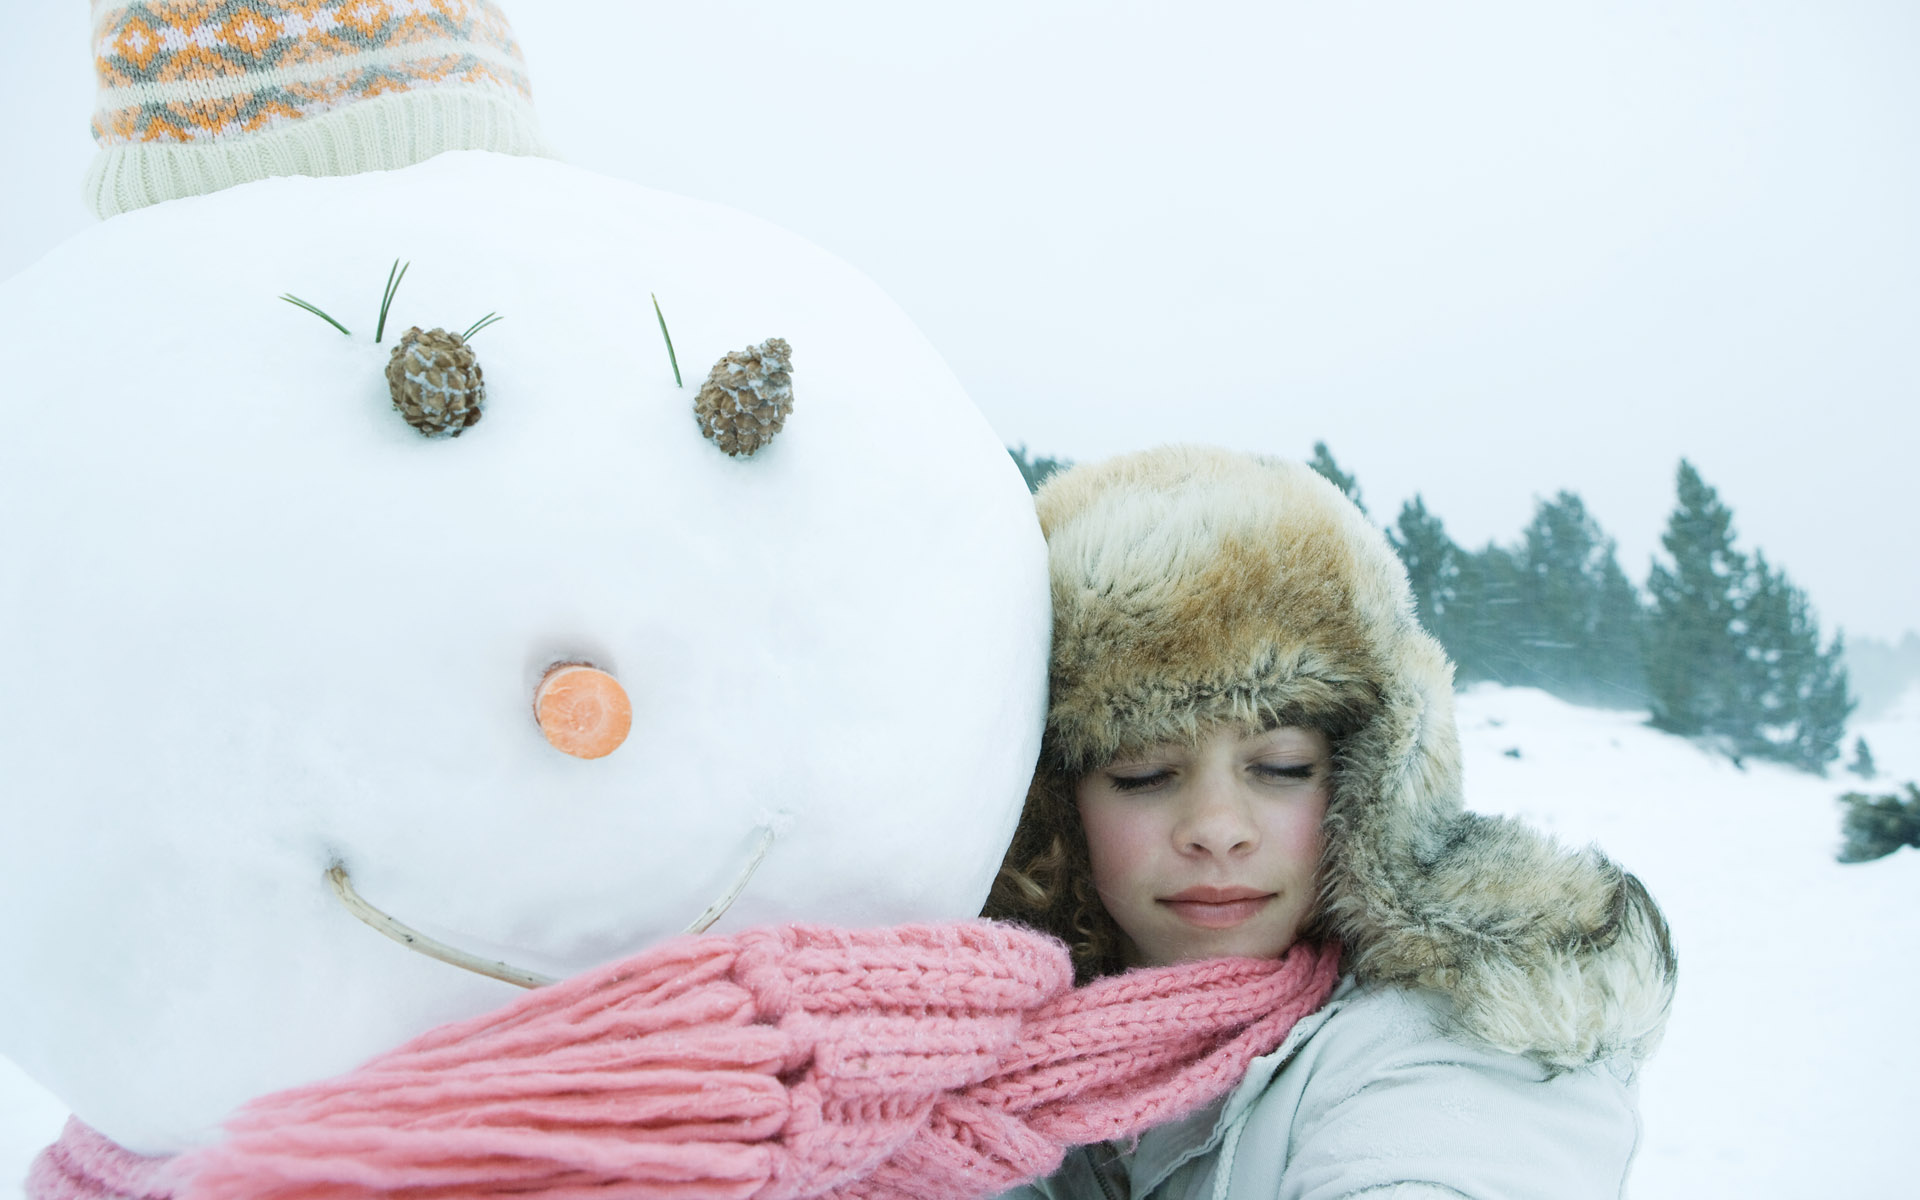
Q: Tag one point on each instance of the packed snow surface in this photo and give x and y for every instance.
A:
(253, 624)
(1786, 1071)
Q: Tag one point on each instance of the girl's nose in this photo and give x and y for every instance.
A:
(582, 711)
(1217, 819)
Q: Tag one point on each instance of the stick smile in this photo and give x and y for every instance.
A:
(341, 881)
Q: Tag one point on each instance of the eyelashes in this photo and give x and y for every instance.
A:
(1292, 772)
(1136, 783)
(1301, 771)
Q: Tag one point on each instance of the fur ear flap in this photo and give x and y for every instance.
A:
(1554, 954)
(1420, 761)
(1578, 998)
(1545, 952)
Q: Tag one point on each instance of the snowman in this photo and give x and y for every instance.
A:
(428, 570)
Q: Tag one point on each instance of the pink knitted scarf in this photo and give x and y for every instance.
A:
(941, 1062)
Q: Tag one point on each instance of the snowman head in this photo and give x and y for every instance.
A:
(261, 638)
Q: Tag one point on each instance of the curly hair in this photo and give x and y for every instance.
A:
(1046, 879)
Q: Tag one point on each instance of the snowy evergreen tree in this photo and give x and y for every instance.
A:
(1322, 461)
(1554, 612)
(1862, 764)
(1464, 599)
(1578, 626)
(1693, 644)
(1480, 628)
(1431, 559)
(1794, 693)
(1733, 649)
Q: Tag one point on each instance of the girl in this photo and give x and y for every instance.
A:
(1250, 744)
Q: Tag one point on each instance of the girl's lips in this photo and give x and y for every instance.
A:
(1216, 914)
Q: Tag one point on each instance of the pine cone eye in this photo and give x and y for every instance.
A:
(747, 397)
(436, 382)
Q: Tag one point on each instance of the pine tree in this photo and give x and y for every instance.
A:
(1693, 643)
(1432, 562)
(1862, 764)
(1464, 599)
(1554, 612)
(1577, 631)
(1794, 692)
(1487, 601)
(1617, 656)
(1322, 461)
(1733, 647)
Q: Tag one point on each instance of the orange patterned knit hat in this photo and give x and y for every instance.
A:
(200, 95)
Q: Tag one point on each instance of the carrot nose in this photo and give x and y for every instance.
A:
(583, 711)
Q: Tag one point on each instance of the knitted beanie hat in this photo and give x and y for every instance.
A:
(200, 95)
(1194, 586)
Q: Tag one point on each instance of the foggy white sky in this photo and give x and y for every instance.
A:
(1485, 250)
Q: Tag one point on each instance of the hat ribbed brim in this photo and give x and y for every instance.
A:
(383, 133)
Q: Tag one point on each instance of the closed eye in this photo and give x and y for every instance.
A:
(1301, 771)
(1136, 783)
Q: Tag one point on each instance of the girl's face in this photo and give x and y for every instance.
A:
(1209, 850)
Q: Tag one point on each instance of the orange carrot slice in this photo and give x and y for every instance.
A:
(583, 711)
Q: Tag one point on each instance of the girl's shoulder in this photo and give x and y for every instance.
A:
(1384, 1090)
(1368, 1021)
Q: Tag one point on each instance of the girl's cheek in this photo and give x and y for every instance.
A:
(1118, 838)
(1303, 832)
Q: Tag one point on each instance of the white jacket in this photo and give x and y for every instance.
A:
(1371, 1097)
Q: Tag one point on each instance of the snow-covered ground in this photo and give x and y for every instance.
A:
(1790, 1069)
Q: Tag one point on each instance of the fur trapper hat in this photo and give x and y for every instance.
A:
(1193, 586)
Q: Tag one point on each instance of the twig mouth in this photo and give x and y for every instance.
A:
(341, 881)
